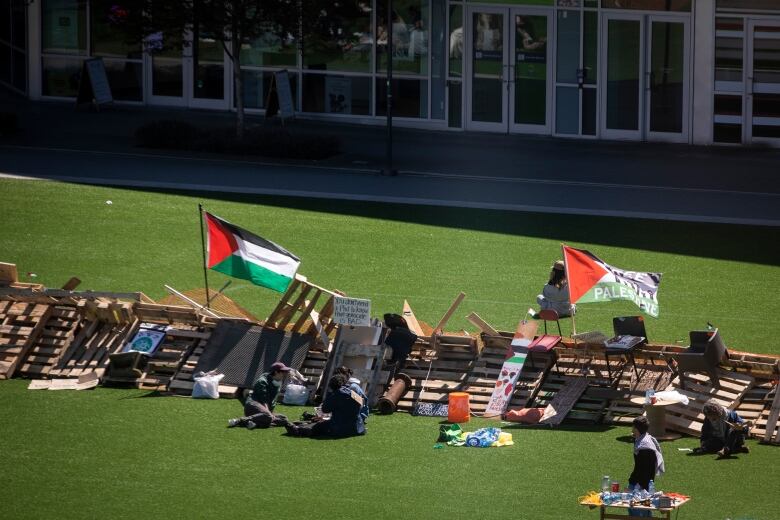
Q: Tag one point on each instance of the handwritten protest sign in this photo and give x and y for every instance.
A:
(352, 311)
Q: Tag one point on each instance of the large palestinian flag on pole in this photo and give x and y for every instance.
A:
(592, 280)
(239, 253)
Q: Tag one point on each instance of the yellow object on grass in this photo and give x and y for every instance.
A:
(593, 498)
(504, 439)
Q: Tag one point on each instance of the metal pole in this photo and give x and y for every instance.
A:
(205, 260)
(389, 170)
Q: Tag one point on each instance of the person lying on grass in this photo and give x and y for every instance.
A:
(259, 406)
(343, 404)
(723, 431)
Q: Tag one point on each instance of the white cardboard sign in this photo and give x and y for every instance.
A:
(352, 311)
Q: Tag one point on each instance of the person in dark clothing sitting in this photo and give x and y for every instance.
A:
(259, 406)
(343, 404)
(723, 431)
(400, 339)
(648, 461)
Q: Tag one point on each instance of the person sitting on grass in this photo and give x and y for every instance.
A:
(259, 406)
(343, 405)
(354, 384)
(648, 461)
(723, 431)
(555, 295)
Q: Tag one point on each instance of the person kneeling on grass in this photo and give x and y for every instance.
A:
(259, 406)
(343, 404)
(723, 431)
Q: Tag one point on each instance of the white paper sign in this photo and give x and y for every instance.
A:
(352, 311)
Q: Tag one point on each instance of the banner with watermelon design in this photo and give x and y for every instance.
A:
(592, 280)
(237, 252)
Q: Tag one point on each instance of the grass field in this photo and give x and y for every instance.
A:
(727, 275)
(131, 454)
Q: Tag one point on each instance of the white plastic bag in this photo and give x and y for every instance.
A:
(206, 385)
(296, 394)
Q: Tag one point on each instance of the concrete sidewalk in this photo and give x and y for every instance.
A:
(547, 174)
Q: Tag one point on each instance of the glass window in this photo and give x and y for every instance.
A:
(343, 43)
(64, 28)
(648, 5)
(456, 40)
(410, 26)
(61, 76)
(5, 20)
(438, 58)
(515, 2)
(410, 97)
(109, 36)
(455, 109)
(167, 74)
(567, 115)
(257, 83)
(336, 94)
(568, 46)
(589, 102)
(568, 3)
(727, 133)
(271, 49)
(590, 47)
(5, 63)
(19, 23)
(764, 5)
(728, 105)
(20, 70)
(728, 59)
(125, 78)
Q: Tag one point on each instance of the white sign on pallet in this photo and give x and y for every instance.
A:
(352, 311)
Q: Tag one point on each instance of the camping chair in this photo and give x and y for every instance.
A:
(704, 354)
(550, 315)
(127, 365)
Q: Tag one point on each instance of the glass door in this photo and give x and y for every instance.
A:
(487, 69)
(646, 77)
(208, 72)
(165, 73)
(530, 71)
(667, 79)
(763, 82)
(622, 39)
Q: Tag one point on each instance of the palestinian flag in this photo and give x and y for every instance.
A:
(592, 280)
(237, 252)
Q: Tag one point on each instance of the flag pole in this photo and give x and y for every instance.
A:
(566, 269)
(205, 261)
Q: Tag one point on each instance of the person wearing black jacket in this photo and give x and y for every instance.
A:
(648, 461)
(343, 404)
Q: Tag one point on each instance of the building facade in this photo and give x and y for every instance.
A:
(687, 71)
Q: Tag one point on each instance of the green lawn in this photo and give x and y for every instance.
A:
(727, 275)
(130, 454)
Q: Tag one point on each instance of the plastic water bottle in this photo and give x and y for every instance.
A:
(651, 487)
(605, 483)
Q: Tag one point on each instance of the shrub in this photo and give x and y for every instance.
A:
(9, 124)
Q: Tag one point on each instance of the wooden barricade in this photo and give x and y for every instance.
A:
(56, 337)
(21, 324)
(689, 418)
(304, 308)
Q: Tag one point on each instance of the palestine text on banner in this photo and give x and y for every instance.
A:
(592, 280)
(237, 252)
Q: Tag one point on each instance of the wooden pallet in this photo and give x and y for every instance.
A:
(20, 326)
(769, 419)
(689, 418)
(57, 335)
(305, 308)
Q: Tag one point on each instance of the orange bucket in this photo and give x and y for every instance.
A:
(458, 409)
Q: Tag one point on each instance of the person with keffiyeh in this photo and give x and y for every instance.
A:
(648, 461)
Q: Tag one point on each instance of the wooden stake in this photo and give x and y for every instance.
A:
(438, 329)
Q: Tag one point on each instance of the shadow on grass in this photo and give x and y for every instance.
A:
(744, 243)
(153, 393)
(566, 427)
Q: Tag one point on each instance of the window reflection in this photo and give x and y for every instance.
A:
(410, 26)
